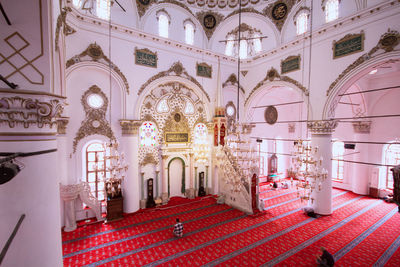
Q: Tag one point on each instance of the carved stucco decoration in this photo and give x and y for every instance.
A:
(322, 126)
(291, 127)
(273, 75)
(95, 121)
(175, 70)
(243, 28)
(218, 18)
(148, 159)
(220, 3)
(362, 127)
(143, 5)
(130, 127)
(94, 53)
(62, 24)
(181, 126)
(232, 80)
(268, 11)
(17, 110)
(387, 43)
(62, 125)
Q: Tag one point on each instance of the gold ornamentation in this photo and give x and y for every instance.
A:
(203, 70)
(95, 121)
(16, 110)
(201, 16)
(349, 44)
(94, 53)
(148, 159)
(389, 40)
(244, 10)
(362, 126)
(278, 11)
(62, 24)
(130, 126)
(172, 126)
(145, 57)
(62, 125)
(273, 75)
(232, 80)
(17, 55)
(243, 28)
(322, 127)
(175, 70)
(143, 5)
(365, 57)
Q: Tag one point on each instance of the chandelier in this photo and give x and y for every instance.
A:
(308, 169)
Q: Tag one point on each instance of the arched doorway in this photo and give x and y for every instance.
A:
(176, 177)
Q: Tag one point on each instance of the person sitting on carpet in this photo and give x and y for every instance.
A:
(326, 259)
(178, 228)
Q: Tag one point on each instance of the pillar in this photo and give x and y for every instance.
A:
(321, 135)
(208, 189)
(191, 191)
(129, 146)
(164, 179)
(156, 182)
(361, 174)
(195, 181)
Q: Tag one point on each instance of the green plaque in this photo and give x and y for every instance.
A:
(350, 44)
(176, 137)
(289, 64)
(203, 70)
(145, 57)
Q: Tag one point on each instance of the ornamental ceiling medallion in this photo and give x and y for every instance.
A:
(176, 123)
(95, 121)
(94, 53)
(389, 40)
(278, 12)
(209, 20)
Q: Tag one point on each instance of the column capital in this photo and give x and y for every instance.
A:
(62, 125)
(130, 127)
(362, 126)
(164, 157)
(322, 126)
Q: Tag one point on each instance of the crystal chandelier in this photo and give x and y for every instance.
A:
(308, 169)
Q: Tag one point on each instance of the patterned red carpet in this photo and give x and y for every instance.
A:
(361, 232)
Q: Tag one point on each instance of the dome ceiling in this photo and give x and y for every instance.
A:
(222, 4)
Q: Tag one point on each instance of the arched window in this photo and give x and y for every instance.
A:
(103, 9)
(302, 23)
(337, 161)
(392, 157)
(229, 46)
(163, 24)
(243, 49)
(189, 33)
(331, 10)
(96, 168)
(148, 134)
(257, 43)
(189, 108)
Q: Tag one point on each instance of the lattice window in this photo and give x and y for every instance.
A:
(103, 9)
(392, 157)
(337, 161)
(189, 108)
(148, 134)
(162, 106)
(331, 10)
(96, 169)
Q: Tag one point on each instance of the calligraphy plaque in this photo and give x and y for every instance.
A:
(350, 44)
(204, 70)
(176, 137)
(145, 57)
(279, 11)
(289, 64)
(209, 21)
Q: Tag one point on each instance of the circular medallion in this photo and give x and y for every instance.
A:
(271, 115)
(95, 101)
(96, 124)
(209, 21)
(177, 117)
(144, 2)
(279, 11)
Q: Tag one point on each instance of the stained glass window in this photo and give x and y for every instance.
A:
(337, 161)
(148, 134)
(392, 157)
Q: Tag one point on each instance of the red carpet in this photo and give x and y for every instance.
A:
(361, 231)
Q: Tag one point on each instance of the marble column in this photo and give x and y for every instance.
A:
(156, 183)
(164, 179)
(195, 181)
(321, 135)
(130, 146)
(190, 191)
(360, 177)
(208, 189)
